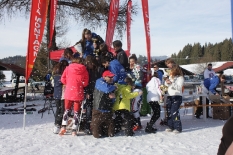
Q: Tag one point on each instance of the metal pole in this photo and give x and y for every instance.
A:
(25, 105)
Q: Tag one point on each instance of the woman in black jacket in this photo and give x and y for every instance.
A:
(95, 72)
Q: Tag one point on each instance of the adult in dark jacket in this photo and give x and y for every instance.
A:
(58, 86)
(102, 122)
(226, 145)
(120, 54)
(116, 68)
(95, 72)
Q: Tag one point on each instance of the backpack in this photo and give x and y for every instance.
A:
(47, 77)
(48, 89)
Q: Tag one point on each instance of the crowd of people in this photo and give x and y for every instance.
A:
(111, 86)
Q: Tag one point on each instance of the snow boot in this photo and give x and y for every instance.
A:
(56, 129)
(62, 131)
(150, 129)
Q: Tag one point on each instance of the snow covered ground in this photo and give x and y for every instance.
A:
(198, 137)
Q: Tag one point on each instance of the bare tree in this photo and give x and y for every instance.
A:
(91, 13)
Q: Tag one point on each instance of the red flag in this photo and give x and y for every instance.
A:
(39, 10)
(112, 19)
(128, 28)
(145, 10)
(53, 8)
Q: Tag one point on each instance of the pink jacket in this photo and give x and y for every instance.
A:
(75, 77)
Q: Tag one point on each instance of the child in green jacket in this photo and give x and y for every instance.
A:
(122, 106)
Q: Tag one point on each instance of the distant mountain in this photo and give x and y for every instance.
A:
(159, 57)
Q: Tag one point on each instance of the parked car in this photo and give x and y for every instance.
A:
(31, 82)
(198, 78)
(2, 85)
(186, 78)
(228, 79)
(21, 82)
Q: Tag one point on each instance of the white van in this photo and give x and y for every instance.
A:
(22, 82)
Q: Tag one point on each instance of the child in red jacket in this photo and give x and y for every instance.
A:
(75, 77)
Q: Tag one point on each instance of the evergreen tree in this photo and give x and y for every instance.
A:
(226, 53)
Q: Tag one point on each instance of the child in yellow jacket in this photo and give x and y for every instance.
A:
(122, 106)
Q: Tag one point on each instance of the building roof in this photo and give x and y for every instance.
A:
(14, 68)
(224, 66)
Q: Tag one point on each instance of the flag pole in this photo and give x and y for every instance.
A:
(25, 105)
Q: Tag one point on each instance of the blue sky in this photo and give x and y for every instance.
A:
(173, 24)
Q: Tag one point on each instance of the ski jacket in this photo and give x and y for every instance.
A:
(116, 68)
(101, 101)
(160, 75)
(136, 75)
(153, 89)
(123, 97)
(135, 103)
(176, 88)
(75, 77)
(122, 58)
(87, 45)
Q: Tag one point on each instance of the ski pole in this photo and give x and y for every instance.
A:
(80, 118)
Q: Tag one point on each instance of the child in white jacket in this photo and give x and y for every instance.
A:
(153, 97)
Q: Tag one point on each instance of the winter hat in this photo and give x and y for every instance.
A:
(107, 73)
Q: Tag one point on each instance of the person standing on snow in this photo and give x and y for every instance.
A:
(57, 94)
(102, 121)
(75, 78)
(154, 95)
(136, 74)
(95, 72)
(175, 84)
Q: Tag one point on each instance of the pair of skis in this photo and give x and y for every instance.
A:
(4, 111)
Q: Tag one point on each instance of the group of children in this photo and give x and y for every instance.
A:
(111, 87)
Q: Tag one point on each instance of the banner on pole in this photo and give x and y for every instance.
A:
(112, 19)
(53, 8)
(232, 20)
(39, 10)
(145, 10)
(128, 27)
